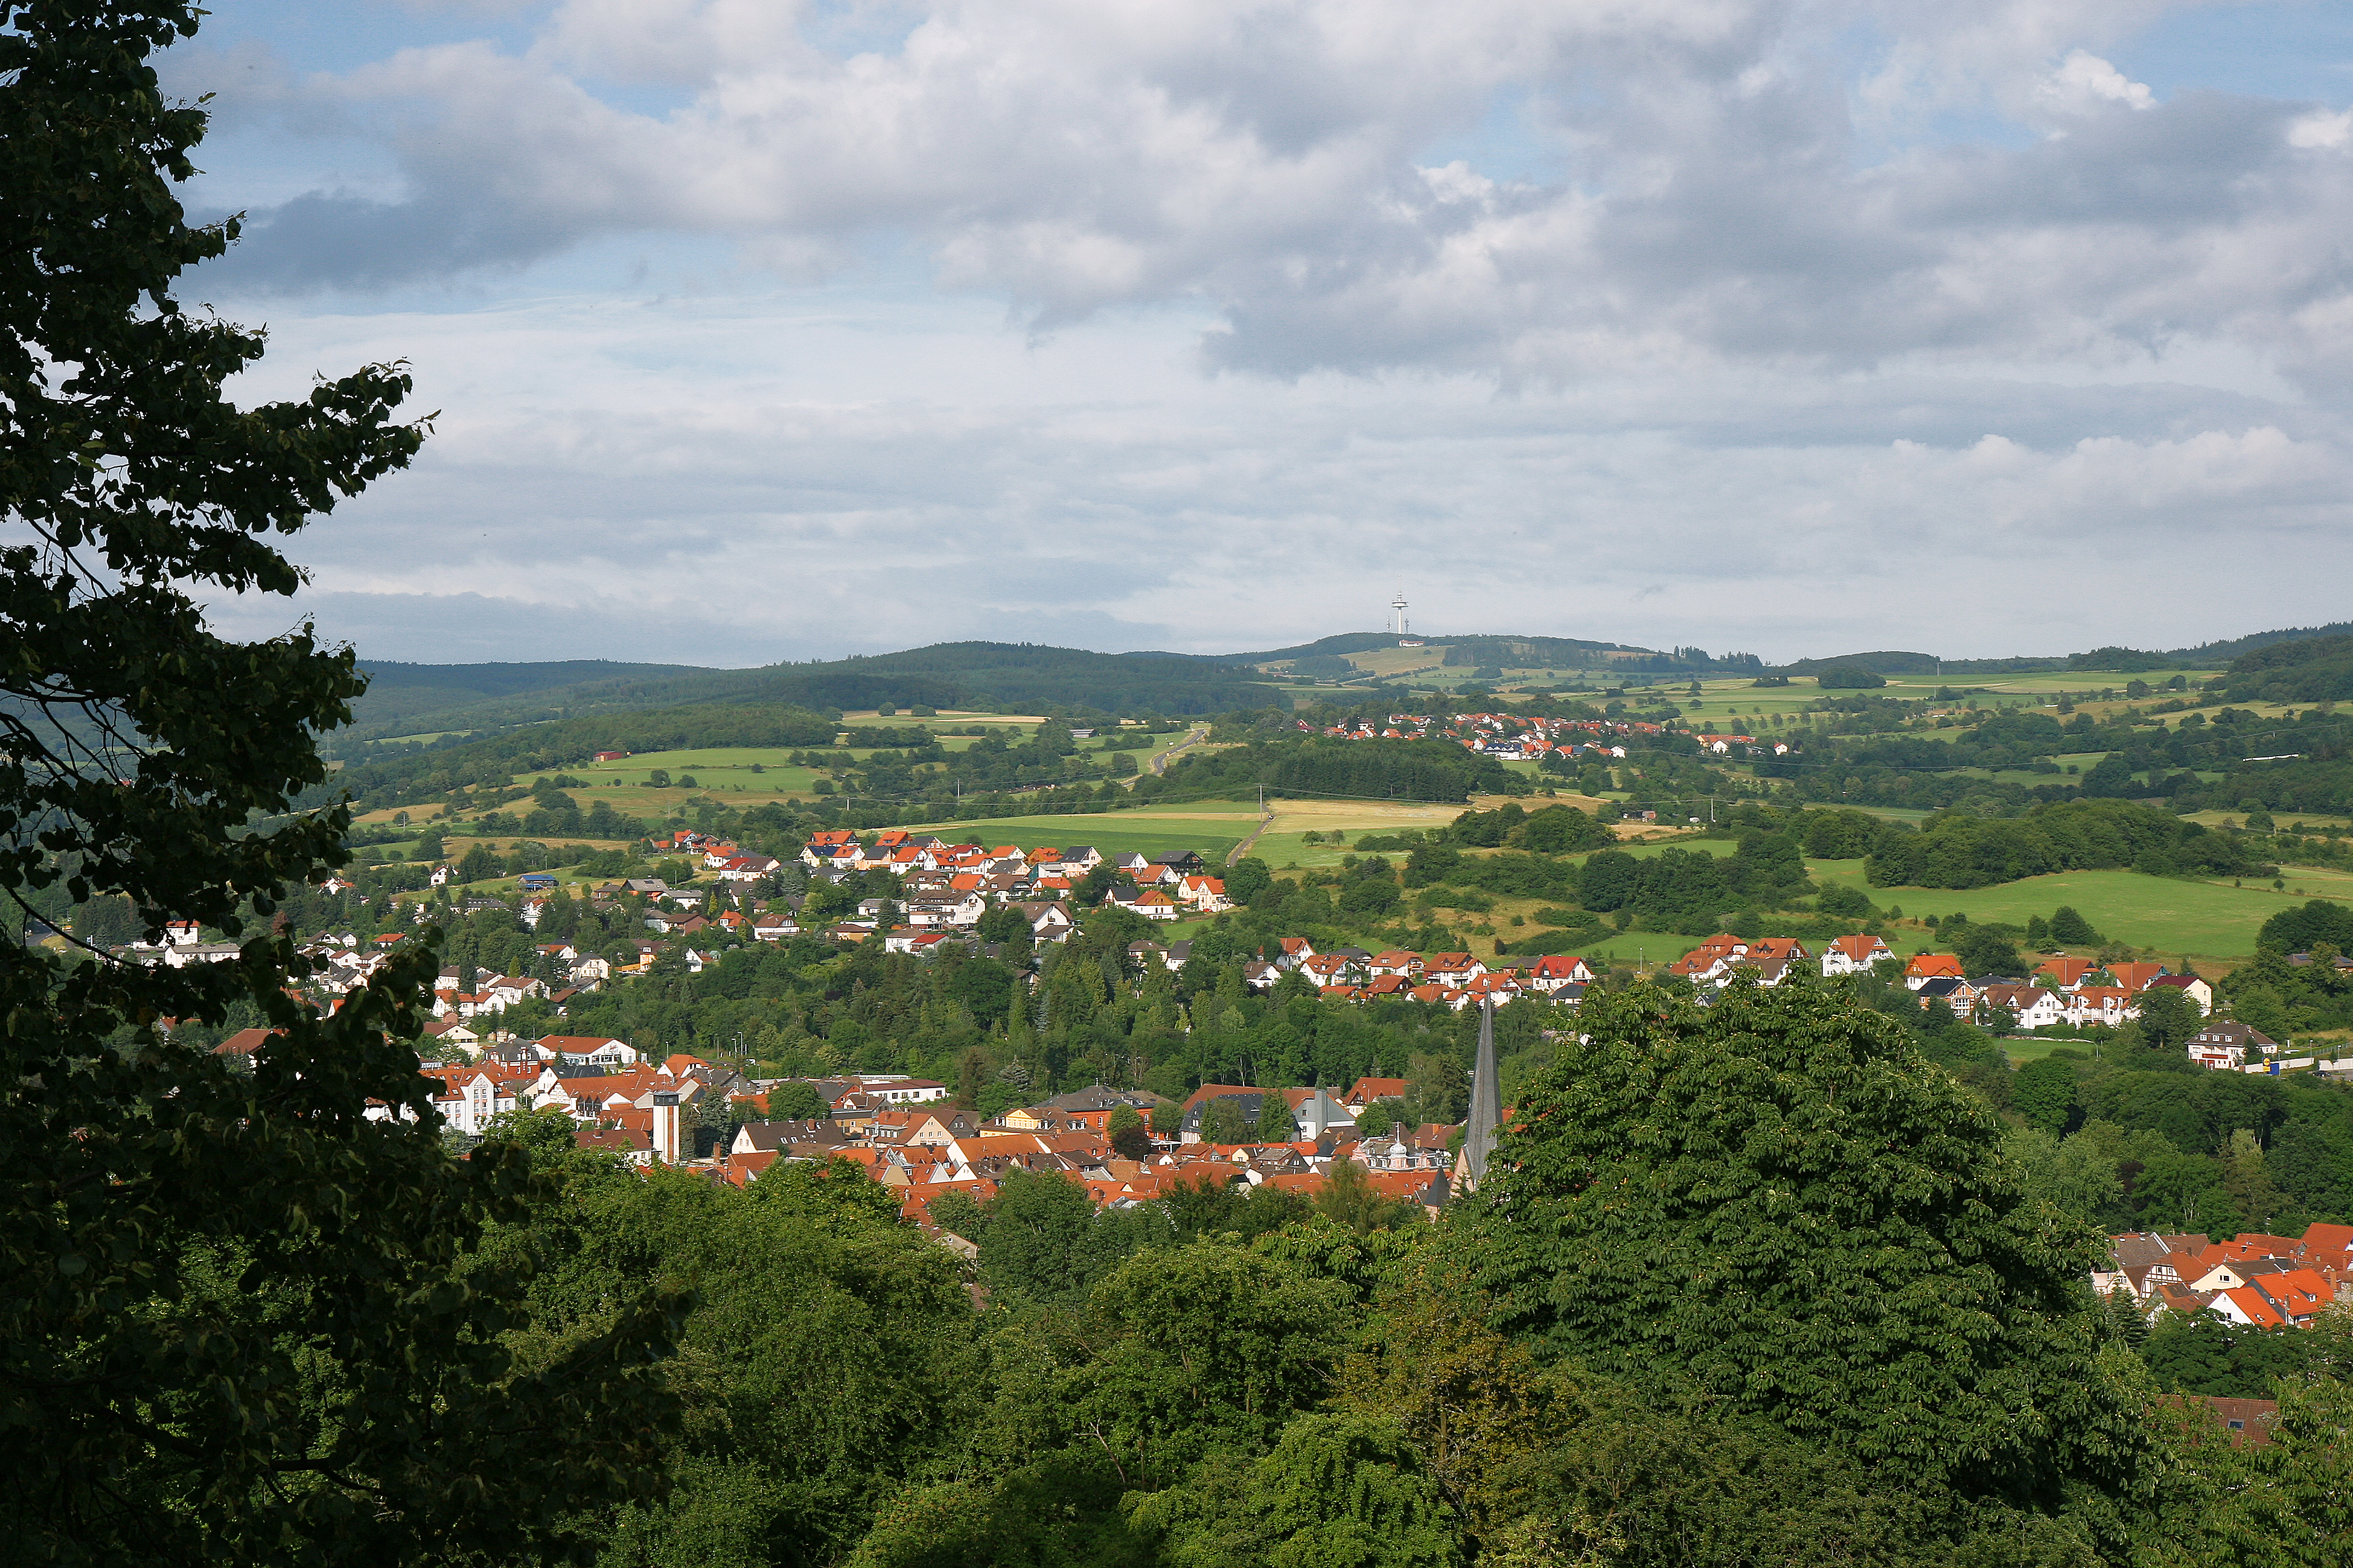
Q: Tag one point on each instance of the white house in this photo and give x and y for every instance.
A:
(1853, 955)
(585, 1050)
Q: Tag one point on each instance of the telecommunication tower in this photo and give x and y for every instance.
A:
(1398, 604)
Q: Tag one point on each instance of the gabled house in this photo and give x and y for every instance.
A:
(2109, 1004)
(2292, 1299)
(585, 1050)
(1329, 968)
(2201, 994)
(1205, 894)
(1927, 966)
(2033, 1007)
(2224, 1043)
(2063, 973)
(1853, 955)
(1953, 991)
(1452, 970)
(1553, 972)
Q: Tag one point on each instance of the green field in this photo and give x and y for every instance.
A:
(1209, 828)
(726, 771)
(2205, 919)
(712, 766)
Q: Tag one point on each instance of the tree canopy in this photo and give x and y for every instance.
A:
(240, 1322)
(1776, 1203)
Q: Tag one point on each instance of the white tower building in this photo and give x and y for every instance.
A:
(1398, 604)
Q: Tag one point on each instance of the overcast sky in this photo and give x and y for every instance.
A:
(760, 331)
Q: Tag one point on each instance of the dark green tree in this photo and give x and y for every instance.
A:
(1221, 1121)
(2071, 929)
(1039, 1238)
(1984, 952)
(1276, 1124)
(1776, 1203)
(240, 1322)
(1129, 1137)
(797, 1102)
(2168, 1017)
(1247, 878)
(1338, 1491)
(1208, 1349)
(2043, 1093)
(1348, 1197)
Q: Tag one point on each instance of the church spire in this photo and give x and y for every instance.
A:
(1486, 1106)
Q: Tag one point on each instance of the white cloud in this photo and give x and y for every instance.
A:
(1739, 341)
(724, 482)
(2085, 83)
(1261, 158)
(2321, 128)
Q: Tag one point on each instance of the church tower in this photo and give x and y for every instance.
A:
(1486, 1106)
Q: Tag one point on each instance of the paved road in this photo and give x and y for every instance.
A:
(1234, 855)
(1160, 762)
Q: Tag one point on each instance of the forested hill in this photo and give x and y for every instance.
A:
(398, 693)
(1018, 677)
(411, 698)
(2317, 670)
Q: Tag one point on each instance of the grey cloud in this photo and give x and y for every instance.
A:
(1737, 377)
(1202, 516)
(1714, 201)
(355, 242)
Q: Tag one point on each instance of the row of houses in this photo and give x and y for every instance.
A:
(2256, 1279)
(2074, 991)
(930, 1150)
(907, 853)
(1520, 737)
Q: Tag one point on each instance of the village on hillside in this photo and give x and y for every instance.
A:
(1129, 1146)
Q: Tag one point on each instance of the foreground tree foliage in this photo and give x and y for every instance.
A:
(237, 1323)
(1777, 1205)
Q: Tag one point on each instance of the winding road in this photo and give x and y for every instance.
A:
(1159, 764)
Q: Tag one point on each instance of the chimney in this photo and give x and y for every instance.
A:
(666, 1130)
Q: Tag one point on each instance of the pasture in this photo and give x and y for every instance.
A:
(2209, 920)
(1209, 828)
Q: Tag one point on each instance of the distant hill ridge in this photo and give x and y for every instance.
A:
(2111, 659)
(407, 698)
(414, 698)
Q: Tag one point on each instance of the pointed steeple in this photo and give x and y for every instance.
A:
(1486, 1106)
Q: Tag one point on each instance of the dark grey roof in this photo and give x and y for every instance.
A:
(1247, 1103)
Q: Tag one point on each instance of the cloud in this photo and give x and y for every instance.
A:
(710, 481)
(1717, 194)
(2321, 128)
(1778, 324)
(2084, 84)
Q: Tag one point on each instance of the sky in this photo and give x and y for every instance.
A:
(756, 331)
